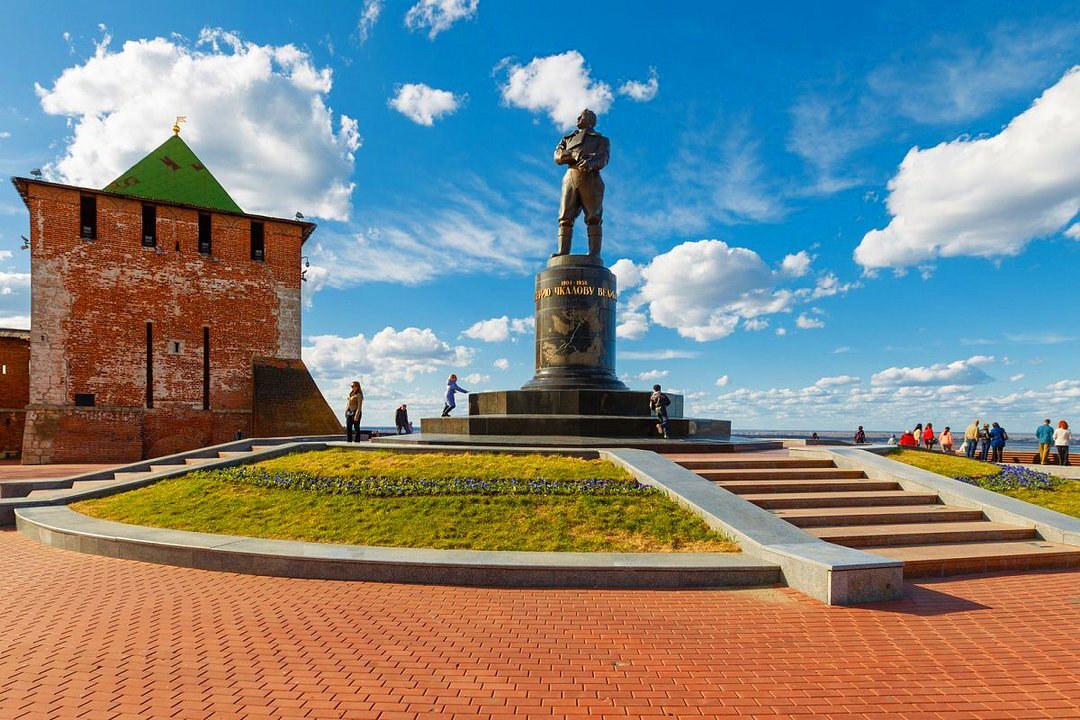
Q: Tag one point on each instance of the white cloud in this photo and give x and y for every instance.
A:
(5, 254)
(705, 289)
(632, 325)
(840, 350)
(257, 116)
(424, 105)
(950, 81)
(653, 374)
(959, 372)
(658, 355)
(985, 197)
(439, 15)
(722, 381)
(501, 364)
(639, 91)
(1017, 377)
(559, 85)
(627, 273)
(15, 322)
(1039, 338)
(805, 322)
(781, 332)
(755, 324)
(477, 378)
(387, 356)
(4, 134)
(13, 282)
(500, 329)
(369, 15)
(797, 264)
(838, 380)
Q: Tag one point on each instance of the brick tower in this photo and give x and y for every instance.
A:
(163, 317)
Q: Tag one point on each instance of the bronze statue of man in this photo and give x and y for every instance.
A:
(584, 152)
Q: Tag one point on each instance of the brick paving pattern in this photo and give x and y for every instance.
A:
(91, 637)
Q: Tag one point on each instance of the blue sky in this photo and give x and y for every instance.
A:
(820, 215)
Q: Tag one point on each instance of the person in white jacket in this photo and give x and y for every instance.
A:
(1062, 438)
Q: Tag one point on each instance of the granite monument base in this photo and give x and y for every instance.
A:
(580, 412)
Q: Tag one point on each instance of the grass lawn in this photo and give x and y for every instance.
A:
(339, 462)
(211, 502)
(1062, 495)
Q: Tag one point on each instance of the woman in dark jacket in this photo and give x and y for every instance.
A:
(998, 436)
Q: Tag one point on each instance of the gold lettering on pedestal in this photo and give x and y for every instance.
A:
(576, 287)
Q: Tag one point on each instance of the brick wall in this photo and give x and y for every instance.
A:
(91, 302)
(288, 403)
(14, 388)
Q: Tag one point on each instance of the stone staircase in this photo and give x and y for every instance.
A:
(879, 516)
(28, 493)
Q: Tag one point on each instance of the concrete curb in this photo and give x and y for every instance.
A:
(834, 574)
(63, 528)
(1050, 525)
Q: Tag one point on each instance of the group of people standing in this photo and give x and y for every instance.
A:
(354, 407)
(989, 439)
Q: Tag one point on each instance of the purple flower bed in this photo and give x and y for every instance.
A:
(396, 487)
(1013, 477)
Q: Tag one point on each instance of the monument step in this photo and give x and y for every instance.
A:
(942, 559)
(130, 475)
(703, 446)
(166, 468)
(226, 454)
(200, 461)
(795, 485)
(698, 465)
(782, 474)
(775, 501)
(921, 533)
(875, 515)
(573, 426)
(624, 403)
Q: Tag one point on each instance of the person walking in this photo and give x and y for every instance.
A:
(860, 436)
(1062, 438)
(353, 410)
(998, 436)
(658, 405)
(928, 437)
(1045, 435)
(971, 439)
(401, 420)
(946, 440)
(984, 441)
(451, 388)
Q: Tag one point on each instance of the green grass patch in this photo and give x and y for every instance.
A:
(214, 502)
(1020, 482)
(953, 466)
(338, 462)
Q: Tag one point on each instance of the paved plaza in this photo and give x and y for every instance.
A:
(84, 636)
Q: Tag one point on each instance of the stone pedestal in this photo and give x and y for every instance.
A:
(575, 326)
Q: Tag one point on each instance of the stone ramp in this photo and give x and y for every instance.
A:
(845, 507)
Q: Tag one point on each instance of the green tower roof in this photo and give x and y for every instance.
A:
(173, 173)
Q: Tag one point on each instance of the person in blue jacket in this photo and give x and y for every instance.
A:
(1045, 435)
(451, 388)
(998, 436)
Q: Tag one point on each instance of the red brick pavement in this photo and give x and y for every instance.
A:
(92, 637)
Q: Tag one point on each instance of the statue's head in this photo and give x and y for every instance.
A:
(587, 119)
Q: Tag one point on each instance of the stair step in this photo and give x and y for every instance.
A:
(941, 559)
(922, 533)
(200, 461)
(82, 485)
(783, 474)
(165, 468)
(741, 487)
(876, 515)
(257, 448)
(47, 494)
(720, 464)
(226, 454)
(130, 475)
(774, 501)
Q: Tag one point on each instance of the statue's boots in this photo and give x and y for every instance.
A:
(566, 235)
(595, 237)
